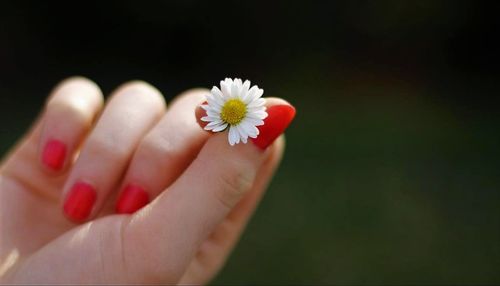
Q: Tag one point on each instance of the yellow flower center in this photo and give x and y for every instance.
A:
(233, 111)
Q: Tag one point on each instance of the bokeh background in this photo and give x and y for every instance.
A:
(392, 168)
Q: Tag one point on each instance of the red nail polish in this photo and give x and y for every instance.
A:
(278, 119)
(54, 154)
(199, 113)
(131, 199)
(79, 201)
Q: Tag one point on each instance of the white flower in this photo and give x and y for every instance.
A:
(237, 106)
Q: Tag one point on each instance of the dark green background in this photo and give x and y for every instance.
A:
(391, 174)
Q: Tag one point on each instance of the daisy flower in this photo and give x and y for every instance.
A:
(237, 107)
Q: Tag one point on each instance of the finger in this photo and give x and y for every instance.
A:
(69, 114)
(67, 117)
(132, 111)
(214, 252)
(164, 153)
(179, 220)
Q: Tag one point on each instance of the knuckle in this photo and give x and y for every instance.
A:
(234, 182)
(157, 150)
(107, 147)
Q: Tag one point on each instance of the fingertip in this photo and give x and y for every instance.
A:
(76, 80)
(145, 90)
(75, 86)
(271, 101)
(280, 114)
(279, 146)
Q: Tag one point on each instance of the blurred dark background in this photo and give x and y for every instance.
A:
(392, 168)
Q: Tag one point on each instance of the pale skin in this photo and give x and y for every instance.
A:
(203, 190)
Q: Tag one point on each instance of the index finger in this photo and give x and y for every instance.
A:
(170, 230)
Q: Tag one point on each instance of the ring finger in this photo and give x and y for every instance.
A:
(164, 153)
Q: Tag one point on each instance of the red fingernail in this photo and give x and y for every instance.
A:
(131, 199)
(53, 154)
(199, 113)
(278, 119)
(79, 201)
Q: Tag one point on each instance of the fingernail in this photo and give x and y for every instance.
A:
(199, 113)
(54, 154)
(278, 119)
(79, 201)
(131, 199)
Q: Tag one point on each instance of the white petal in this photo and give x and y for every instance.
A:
(210, 118)
(206, 107)
(261, 114)
(220, 127)
(215, 106)
(213, 126)
(242, 132)
(243, 94)
(210, 109)
(213, 102)
(244, 90)
(228, 81)
(257, 114)
(217, 109)
(238, 82)
(250, 128)
(252, 94)
(233, 135)
(247, 129)
(253, 121)
(212, 113)
(256, 131)
(257, 103)
(257, 108)
(246, 85)
(235, 91)
(226, 89)
(244, 139)
(215, 123)
(254, 110)
(217, 95)
(207, 127)
(216, 91)
(238, 138)
(259, 93)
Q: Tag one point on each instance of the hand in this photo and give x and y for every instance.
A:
(63, 184)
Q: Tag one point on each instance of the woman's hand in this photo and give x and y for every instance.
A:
(63, 184)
